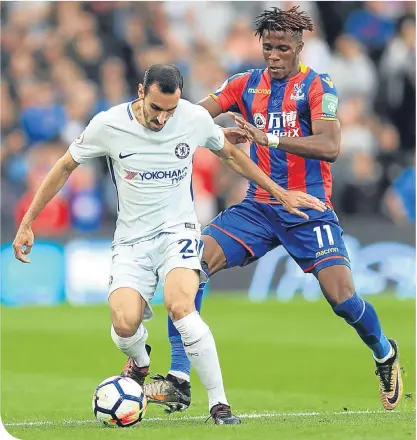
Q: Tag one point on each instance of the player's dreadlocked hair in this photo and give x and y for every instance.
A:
(276, 19)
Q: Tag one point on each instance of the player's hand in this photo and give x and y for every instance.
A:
(252, 133)
(24, 239)
(236, 135)
(292, 200)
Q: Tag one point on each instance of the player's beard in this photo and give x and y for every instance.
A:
(151, 124)
(143, 117)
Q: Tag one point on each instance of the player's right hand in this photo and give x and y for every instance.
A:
(236, 135)
(292, 200)
(24, 239)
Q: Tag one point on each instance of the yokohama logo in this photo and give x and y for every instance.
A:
(130, 175)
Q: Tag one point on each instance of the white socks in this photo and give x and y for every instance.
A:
(133, 346)
(200, 348)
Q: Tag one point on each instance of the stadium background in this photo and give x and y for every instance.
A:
(62, 62)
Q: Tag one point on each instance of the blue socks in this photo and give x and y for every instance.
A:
(179, 360)
(356, 311)
(363, 318)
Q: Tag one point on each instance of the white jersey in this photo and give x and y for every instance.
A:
(151, 170)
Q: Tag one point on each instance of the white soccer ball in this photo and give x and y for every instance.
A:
(119, 401)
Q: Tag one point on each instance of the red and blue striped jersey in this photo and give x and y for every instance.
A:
(284, 108)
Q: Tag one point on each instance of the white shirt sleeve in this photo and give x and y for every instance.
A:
(92, 142)
(211, 134)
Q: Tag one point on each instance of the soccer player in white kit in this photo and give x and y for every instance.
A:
(149, 144)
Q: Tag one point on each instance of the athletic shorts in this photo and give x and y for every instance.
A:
(248, 230)
(140, 266)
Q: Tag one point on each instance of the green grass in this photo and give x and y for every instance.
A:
(281, 358)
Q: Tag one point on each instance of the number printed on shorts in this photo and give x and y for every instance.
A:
(319, 235)
(188, 250)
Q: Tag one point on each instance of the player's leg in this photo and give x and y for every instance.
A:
(179, 295)
(318, 247)
(132, 283)
(213, 260)
(232, 239)
(128, 333)
(237, 236)
(337, 286)
(174, 389)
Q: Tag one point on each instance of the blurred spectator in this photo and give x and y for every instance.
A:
(400, 199)
(205, 166)
(242, 51)
(88, 54)
(361, 192)
(372, 26)
(203, 85)
(349, 58)
(398, 81)
(55, 218)
(63, 62)
(79, 109)
(43, 118)
(316, 52)
(85, 200)
(357, 136)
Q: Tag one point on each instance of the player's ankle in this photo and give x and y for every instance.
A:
(389, 356)
(178, 376)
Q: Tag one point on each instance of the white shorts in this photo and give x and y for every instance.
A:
(140, 266)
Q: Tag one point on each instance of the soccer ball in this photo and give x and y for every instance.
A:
(119, 401)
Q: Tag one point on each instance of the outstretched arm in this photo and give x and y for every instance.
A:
(323, 144)
(240, 162)
(52, 183)
(91, 143)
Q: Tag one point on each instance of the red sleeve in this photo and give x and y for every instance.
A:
(229, 94)
(323, 99)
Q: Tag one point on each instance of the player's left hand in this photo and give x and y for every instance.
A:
(292, 200)
(252, 133)
(236, 135)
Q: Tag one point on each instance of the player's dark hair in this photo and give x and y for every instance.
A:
(166, 76)
(276, 19)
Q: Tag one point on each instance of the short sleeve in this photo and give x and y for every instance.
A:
(92, 142)
(228, 95)
(323, 98)
(211, 135)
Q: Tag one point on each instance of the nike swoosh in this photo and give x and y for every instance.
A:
(126, 155)
(192, 343)
(394, 398)
(185, 257)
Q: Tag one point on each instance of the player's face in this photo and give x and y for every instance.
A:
(158, 107)
(281, 50)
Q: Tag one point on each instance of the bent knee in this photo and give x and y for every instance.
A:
(342, 292)
(336, 284)
(124, 325)
(178, 310)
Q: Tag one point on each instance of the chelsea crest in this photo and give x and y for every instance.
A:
(182, 150)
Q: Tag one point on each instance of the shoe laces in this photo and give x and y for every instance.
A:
(219, 411)
(132, 370)
(384, 371)
(156, 387)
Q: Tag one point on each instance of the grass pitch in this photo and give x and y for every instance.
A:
(293, 370)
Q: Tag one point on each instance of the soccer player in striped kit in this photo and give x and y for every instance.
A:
(289, 111)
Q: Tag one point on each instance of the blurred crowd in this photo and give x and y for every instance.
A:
(62, 62)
